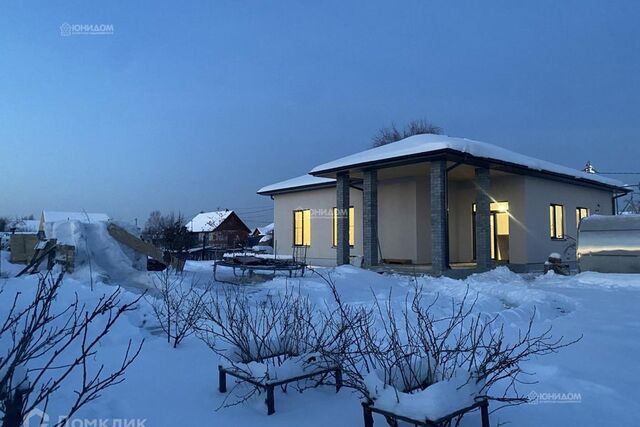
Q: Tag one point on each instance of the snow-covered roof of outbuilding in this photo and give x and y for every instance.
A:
(85, 217)
(24, 225)
(265, 230)
(207, 221)
(418, 145)
(300, 182)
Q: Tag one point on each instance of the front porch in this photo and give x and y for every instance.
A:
(438, 217)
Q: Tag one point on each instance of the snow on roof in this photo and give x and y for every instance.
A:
(425, 144)
(24, 225)
(625, 223)
(298, 182)
(266, 229)
(53, 216)
(207, 221)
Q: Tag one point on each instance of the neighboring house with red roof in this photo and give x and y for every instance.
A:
(218, 230)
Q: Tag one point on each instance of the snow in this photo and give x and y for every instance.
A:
(628, 222)
(424, 144)
(169, 387)
(53, 216)
(99, 256)
(207, 221)
(298, 182)
(24, 225)
(436, 401)
(267, 229)
(290, 368)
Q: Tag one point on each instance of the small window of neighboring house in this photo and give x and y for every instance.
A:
(556, 221)
(581, 213)
(352, 227)
(302, 227)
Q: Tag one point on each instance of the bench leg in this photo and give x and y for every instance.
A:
(222, 380)
(368, 416)
(270, 400)
(338, 375)
(484, 412)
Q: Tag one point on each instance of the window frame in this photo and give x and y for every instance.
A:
(306, 240)
(579, 218)
(334, 227)
(553, 224)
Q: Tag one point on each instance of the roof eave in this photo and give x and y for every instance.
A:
(296, 189)
(467, 158)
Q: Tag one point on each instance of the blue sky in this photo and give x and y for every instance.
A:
(194, 105)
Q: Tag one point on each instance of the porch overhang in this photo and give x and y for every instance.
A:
(457, 157)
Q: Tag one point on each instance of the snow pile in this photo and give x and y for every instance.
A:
(98, 255)
(53, 216)
(436, 401)
(292, 367)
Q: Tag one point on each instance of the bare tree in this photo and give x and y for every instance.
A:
(45, 345)
(414, 127)
(178, 306)
(167, 231)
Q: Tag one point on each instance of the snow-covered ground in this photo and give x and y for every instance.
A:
(170, 387)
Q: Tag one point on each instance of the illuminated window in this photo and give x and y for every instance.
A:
(302, 227)
(581, 213)
(352, 227)
(556, 221)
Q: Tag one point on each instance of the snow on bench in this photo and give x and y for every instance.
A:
(267, 376)
(438, 403)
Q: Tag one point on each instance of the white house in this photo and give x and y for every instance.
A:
(438, 202)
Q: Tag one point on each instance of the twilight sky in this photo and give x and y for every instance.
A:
(194, 105)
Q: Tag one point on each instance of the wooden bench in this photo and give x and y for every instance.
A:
(369, 409)
(270, 385)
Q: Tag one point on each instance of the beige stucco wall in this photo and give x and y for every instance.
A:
(321, 202)
(462, 195)
(404, 225)
(540, 194)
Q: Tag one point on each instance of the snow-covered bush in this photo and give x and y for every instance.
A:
(242, 328)
(407, 350)
(177, 304)
(279, 336)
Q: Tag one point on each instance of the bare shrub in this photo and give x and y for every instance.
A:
(281, 328)
(411, 348)
(43, 347)
(178, 304)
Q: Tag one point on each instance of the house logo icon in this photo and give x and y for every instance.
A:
(40, 418)
(65, 29)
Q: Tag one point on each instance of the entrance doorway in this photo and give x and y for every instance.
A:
(499, 221)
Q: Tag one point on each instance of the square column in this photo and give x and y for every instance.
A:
(439, 228)
(370, 217)
(342, 205)
(483, 218)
